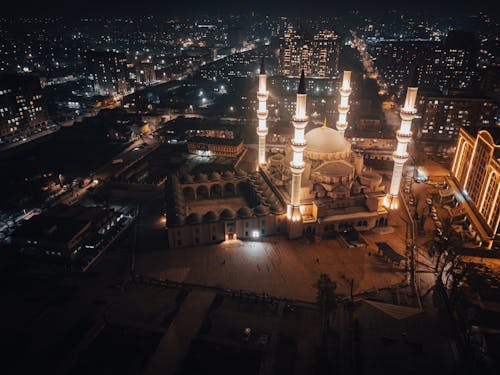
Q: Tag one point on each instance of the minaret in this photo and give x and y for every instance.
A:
(262, 95)
(403, 136)
(343, 107)
(297, 164)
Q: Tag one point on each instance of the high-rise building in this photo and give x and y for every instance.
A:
(476, 171)
(318, 57)
(290, 45)
(490, 82)
(459, 60)
(395, 58)
(106, 72)
(145, 72)
(444, 116)
(235, 37)
(326, 53)
(446, 65)
(21, 104)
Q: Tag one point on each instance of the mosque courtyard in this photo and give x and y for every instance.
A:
(278, 266)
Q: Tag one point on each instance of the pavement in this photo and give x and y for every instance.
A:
(275, 266)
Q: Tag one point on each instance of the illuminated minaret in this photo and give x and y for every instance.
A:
(262, 95)
(297, 164)
(343, 108)
(403, 136)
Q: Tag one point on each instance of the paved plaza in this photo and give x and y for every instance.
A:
(275, 266)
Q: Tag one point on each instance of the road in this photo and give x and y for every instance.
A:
(138, 150)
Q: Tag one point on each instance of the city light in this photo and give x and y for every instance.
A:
(228, 190)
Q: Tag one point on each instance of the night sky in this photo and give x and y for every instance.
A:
(277, 7)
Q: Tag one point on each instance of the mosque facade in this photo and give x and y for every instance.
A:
(319, 186)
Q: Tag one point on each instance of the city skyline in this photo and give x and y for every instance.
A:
(234, 189)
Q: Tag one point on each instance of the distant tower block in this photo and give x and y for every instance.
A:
(343, 107)
(262, 112)
(297, 164)
(403, 136)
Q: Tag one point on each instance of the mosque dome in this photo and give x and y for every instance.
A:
(228, 175)
(214, 176)
(241, 173)
(325, 140)
(187, 179)
(277, 209)
(193, 218)
(178, 220)
(210, 216)
(245, 212)
(227, 214)
(201, 177)
(261, 210)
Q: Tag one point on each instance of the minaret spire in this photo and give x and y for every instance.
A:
(343, 108)
(297, 164)
(262, 95)
(302, 83)
(403, 136)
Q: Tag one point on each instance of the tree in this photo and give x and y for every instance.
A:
(326, 299)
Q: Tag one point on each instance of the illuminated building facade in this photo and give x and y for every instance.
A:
(394, 59)
(443, 116)
(326, 53)
(459, 60)
(318, 186)
(476, 170)
(290, 45)
(235, 205)
(209, 146)
(443, 65)
(323, 182)
(21, 104)
(106, 72)
(318, 57)
(403, 136)
(262, 95)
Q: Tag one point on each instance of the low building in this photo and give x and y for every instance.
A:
(205, 209)
(476, 178)
(211, 146)
(52, 236)
(63, 230)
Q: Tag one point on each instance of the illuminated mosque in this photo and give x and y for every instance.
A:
(324, 183)
(319, 186)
